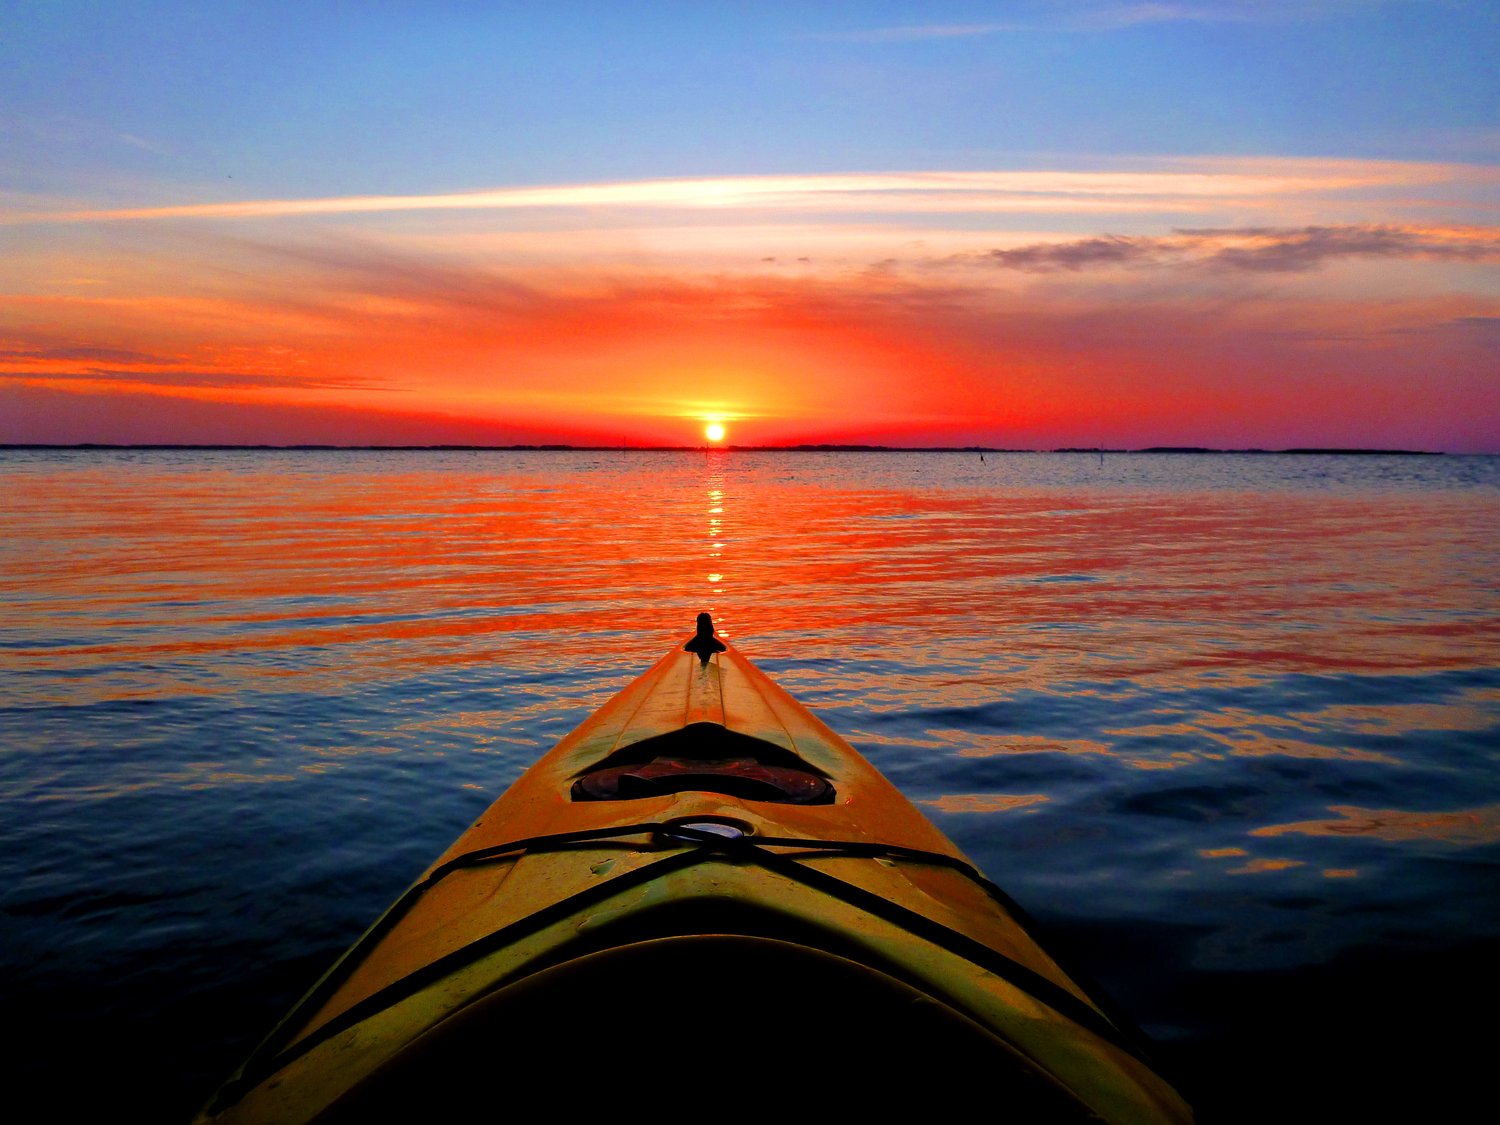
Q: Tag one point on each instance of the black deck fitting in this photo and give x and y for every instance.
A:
(704, 643)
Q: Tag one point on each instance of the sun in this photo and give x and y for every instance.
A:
(714, 431)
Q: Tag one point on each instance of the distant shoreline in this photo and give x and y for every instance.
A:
(817, 448)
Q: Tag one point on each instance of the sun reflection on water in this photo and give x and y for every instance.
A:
(714, 483)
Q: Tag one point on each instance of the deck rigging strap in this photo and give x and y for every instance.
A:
(697, 846)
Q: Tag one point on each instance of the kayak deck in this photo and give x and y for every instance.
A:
(701, 871)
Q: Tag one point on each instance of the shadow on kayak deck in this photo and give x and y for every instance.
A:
(757, 1019)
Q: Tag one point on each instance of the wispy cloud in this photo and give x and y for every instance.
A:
(75, 354)
(1174, 183)
(1481, 329)
(1290, 250)
(1096, 17)
(916, 32)
(177, 380)
(30, 357)
(1257, 249)
(1082, 253)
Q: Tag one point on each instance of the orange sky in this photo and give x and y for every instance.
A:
(1265, 303)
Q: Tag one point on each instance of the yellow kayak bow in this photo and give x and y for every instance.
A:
(702, 897)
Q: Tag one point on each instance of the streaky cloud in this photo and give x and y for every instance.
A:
(1252, 249)
(80, 354)
(1084, 18)
(918, 32)
(1282, 251)
(1172, 183)
(1106, 250)
(170, 380)
(380, 271)
(1485, 329)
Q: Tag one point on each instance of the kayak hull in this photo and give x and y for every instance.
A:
(748, 892)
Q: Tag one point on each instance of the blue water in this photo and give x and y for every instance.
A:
(1227, 725)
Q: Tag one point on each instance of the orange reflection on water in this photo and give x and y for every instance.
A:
(1260, 866)
(956, 585)
(991, 745)
(1175, 760)
(1241, 738)
(984, 802)
(1467, 827)
(1476, 713)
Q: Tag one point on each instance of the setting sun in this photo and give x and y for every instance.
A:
(714, 431)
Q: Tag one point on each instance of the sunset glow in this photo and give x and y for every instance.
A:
(174, 276)
(714, 432)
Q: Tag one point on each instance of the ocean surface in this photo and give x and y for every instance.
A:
(1228, 726)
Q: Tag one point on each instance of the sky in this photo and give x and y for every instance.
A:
(1027, 225)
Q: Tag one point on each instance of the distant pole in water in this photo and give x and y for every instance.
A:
(1101, 456)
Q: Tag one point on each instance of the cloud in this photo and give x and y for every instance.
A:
(1086, 17)
(143, 144)
(1173, 184)
(918, 32)
(169, 379)
(1482, 331)
(1251, 249)
(76, 354)
(1117, 17)
(204, 364)
(1106, 250)
(374, 270)
(1272, 250)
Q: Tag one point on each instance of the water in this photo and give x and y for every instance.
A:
(1226, 724)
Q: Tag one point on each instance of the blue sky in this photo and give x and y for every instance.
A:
(354, 97)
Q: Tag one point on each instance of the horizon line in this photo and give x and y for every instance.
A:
(801, 447)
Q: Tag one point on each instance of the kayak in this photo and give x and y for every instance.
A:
(701, 898)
